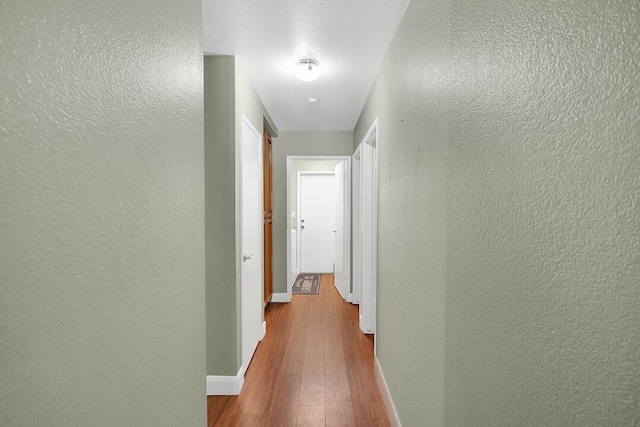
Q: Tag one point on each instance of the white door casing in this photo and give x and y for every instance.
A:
(251, 235)
(316, 200)
(356, 228)
(368, 236)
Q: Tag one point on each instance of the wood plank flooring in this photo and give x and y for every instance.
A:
(313, 368)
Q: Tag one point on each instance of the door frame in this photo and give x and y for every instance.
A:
(356, 233)
(368, 204)
(347, 213)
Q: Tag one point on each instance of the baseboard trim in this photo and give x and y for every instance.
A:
(281, 297)
(264, 329)
(386, 395)
(221, 385)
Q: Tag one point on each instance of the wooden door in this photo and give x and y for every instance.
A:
(268, 221)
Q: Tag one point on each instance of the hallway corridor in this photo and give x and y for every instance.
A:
(313, 368)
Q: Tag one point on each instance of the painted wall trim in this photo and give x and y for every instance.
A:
(281, 297)
(221, 385)
(386, 395)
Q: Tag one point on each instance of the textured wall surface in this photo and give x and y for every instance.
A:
(220, 177)
(408, 100)
(102, 317)
(509, 193)
(543, 268)
(228, 95)
(316, 143)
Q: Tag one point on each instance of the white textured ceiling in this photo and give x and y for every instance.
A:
(348, 37)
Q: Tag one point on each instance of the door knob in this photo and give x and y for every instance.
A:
(246, 257)
(302, 226)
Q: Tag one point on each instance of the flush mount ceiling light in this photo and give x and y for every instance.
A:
(307, 70)
(312, 101)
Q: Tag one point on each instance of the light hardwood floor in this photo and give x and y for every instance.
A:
(313, 368)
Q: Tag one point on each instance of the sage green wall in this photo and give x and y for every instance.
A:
(412, 143)
(102, 317)
(228, 95)
(509, 183)
(289, 143)
(220, 176)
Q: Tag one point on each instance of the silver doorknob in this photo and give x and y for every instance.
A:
(246, 257)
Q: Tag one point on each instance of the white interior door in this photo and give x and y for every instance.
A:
(316, 215)
(251, 241)
(340, 182)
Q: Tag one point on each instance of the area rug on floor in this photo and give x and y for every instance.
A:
(306, 284)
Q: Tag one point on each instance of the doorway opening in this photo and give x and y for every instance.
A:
(365, 227)
(337, 169)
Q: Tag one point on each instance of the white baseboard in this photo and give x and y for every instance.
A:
(281, 297)
(264, 330)
(220, 385)
(386, 396)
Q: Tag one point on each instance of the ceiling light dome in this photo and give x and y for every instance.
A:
(307, 70)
